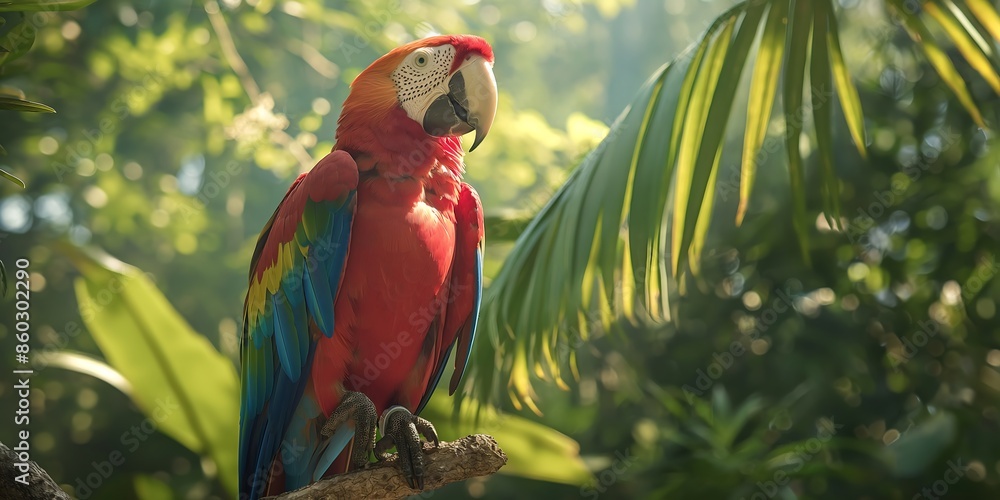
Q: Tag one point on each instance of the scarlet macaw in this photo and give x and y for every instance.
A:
(367, 274)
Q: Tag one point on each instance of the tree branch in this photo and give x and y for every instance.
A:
(39, 485)
(471, 456)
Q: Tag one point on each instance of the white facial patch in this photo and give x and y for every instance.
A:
(421, 77)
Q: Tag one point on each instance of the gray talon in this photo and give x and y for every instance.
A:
(356, 406)
(402, 429)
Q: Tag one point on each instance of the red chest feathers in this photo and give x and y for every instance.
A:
(395, 283)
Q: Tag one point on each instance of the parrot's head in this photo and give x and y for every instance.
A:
(440, 87)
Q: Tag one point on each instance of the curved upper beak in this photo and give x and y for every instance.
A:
(470, 104)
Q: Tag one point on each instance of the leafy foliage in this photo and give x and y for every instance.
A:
(178, 378)
(17, 34)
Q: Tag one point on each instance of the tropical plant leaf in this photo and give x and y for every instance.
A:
(18, 104)
(151, 488)
(505, 225)
(986, 13)
(849, 100)
(822, 104)
(920, 446)
(939, 60)
(710, 150)
(605, 225)
(761, 101)
(16, 36)
(178, 376)
(978, 33)
(612, 242)
(11, 177)
(965, 40)
(688, 193)
(46, 5)
(533, 450)
(82, 363)
(798, 51)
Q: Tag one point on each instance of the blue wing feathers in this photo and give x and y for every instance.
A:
(437, 378)
(474, 319)
(273, 409)
(267, 356)
(318, 293)
(471, 325)
(286, 339)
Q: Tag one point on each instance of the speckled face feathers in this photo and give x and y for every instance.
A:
(421, 72)
(447, 97)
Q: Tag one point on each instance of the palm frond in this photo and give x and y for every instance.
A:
(939, 59)
(633, 216)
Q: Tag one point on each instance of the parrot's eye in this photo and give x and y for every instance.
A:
(420, 61)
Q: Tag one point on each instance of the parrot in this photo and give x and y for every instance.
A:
(367, 275)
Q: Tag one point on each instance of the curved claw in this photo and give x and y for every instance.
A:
(402, 429)
(356, 406)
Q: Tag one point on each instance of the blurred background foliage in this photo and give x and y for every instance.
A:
(870, 373)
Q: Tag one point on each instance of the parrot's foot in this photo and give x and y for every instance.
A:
(355, 406)
(400, 428)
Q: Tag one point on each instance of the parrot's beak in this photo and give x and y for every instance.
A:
(470, 104)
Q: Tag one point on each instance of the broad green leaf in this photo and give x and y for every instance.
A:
(795, 68)
(822, 104)
(11, 177)
(849, 100)
(178, 377)
(533, 450)
(920, 446)
(17, 35)
(150, 488)
(761, 101)
(18, 104)
(965, 43)
(43, 5)
(987, 14)
(937, 57)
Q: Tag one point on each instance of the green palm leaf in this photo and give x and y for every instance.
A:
(848, 94)
(613, 241)
(939, 59)
(18, 104)
(12, 178)
(798, 45)
(986, 13)
(43, 5)
(765, 73)
(822, 81)
(967, 39)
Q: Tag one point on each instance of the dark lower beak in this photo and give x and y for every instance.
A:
(449, 113)
(470, 104)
